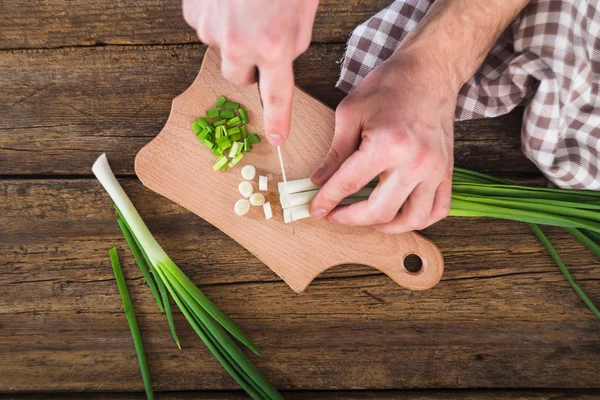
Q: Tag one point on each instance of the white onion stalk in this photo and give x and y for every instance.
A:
(248, 172)
(246, 189)
(296, 213)
(300, 185)
(263, 183)
(257, 199)
(167, 270)
(267, 210)
(298, 199)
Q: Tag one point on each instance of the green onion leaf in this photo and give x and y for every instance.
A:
(231, 104)
(220, 122)
(196, 127)
(222, 160)
(254, 138)
(220, 101)
(243, 115)
(132, 321)
(202, 122)
(226, 114)
(236, 136)
(233, 131)
(212, 113)
(233, 121)
(243, 131)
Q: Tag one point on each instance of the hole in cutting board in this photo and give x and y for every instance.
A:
(413, 263)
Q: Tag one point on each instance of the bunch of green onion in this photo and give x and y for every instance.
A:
(207, 320)
(224, 133)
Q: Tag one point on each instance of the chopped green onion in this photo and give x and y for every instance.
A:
(220, 101)
(226, 114)
(236, 136)
(222, 160)
(220, 122)
(196, 127)
(235, 160)
(232, 104)
(225, 145)
(208, 144)
(247, 145)
(202, 135)
(243, 115)
(236, 147)
(224, 129)
(223, 168)
(233, 121)
(243, 130)
(217, 151)
(132, 321)
(212, 113)
(202, 122)
(233, 131)
(222, 140)
(218, 132)
(253, 138)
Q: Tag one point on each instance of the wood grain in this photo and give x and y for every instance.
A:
(502, 316)
(339, 395)
(176, 165)
(62, 108)
(59, 23)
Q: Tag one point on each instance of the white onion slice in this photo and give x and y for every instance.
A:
(257, 199)
(300, 185)
(246, 189)
(248, 172)
(267, 210)
(299, 212)
(263, 183)
(241, 207)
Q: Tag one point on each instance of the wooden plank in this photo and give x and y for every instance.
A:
(62, 108)
(503, 315)
(338, 395)
(57, 23)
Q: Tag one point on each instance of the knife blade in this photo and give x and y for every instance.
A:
(285, 191)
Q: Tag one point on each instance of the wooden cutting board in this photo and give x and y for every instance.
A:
(176, 165)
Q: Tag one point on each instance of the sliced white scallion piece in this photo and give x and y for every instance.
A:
(248, 172)
(242, 206)
(257, 199)
(267, 210)
(300, 185)
(297, 199)
(263, 183)
(299, 212)
(246, 189)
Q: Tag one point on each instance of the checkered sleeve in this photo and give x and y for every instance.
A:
(548, 60)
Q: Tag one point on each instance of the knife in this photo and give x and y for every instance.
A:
(285, 191)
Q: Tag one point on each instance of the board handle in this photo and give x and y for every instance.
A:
(417, 264)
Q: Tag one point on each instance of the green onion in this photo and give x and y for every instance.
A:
(247, 145)
(235, 160)
(226, 114)
(243, 130)
(236, 147)
(233, 131)
(231, 104)
(222, 160)
(196, 127)
(206, 318)
(220, 101)
(202, 122)
(220, 122)
(243, 115)
(208, 143)
(233, 121)
(253, 138)
(236, 136)
(132, 321)
(212, 113)
(202, 135)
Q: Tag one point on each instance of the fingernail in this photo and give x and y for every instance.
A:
(318, 213)
(317, 173)
(274, 139)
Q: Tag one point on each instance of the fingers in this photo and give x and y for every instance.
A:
(415, 213)
(277, 90)
(381, 207)
(345, 142)
(354, 173)
(441, 203)
(237, 72)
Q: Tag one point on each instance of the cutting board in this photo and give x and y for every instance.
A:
(176, 165)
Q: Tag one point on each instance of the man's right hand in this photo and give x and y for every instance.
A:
(263, 34)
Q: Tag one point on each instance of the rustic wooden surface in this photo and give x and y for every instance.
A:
(81, 79)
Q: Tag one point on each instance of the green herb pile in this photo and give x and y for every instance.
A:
(223, 131)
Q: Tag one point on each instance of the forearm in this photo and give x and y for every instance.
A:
(456, 35)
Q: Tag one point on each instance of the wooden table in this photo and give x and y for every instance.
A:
(81, 78)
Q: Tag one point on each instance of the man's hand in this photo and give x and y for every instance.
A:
(398, 123)
(263, 34)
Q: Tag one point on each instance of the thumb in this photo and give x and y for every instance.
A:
(345, 142)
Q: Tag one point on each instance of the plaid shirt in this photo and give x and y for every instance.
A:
(548, 60)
